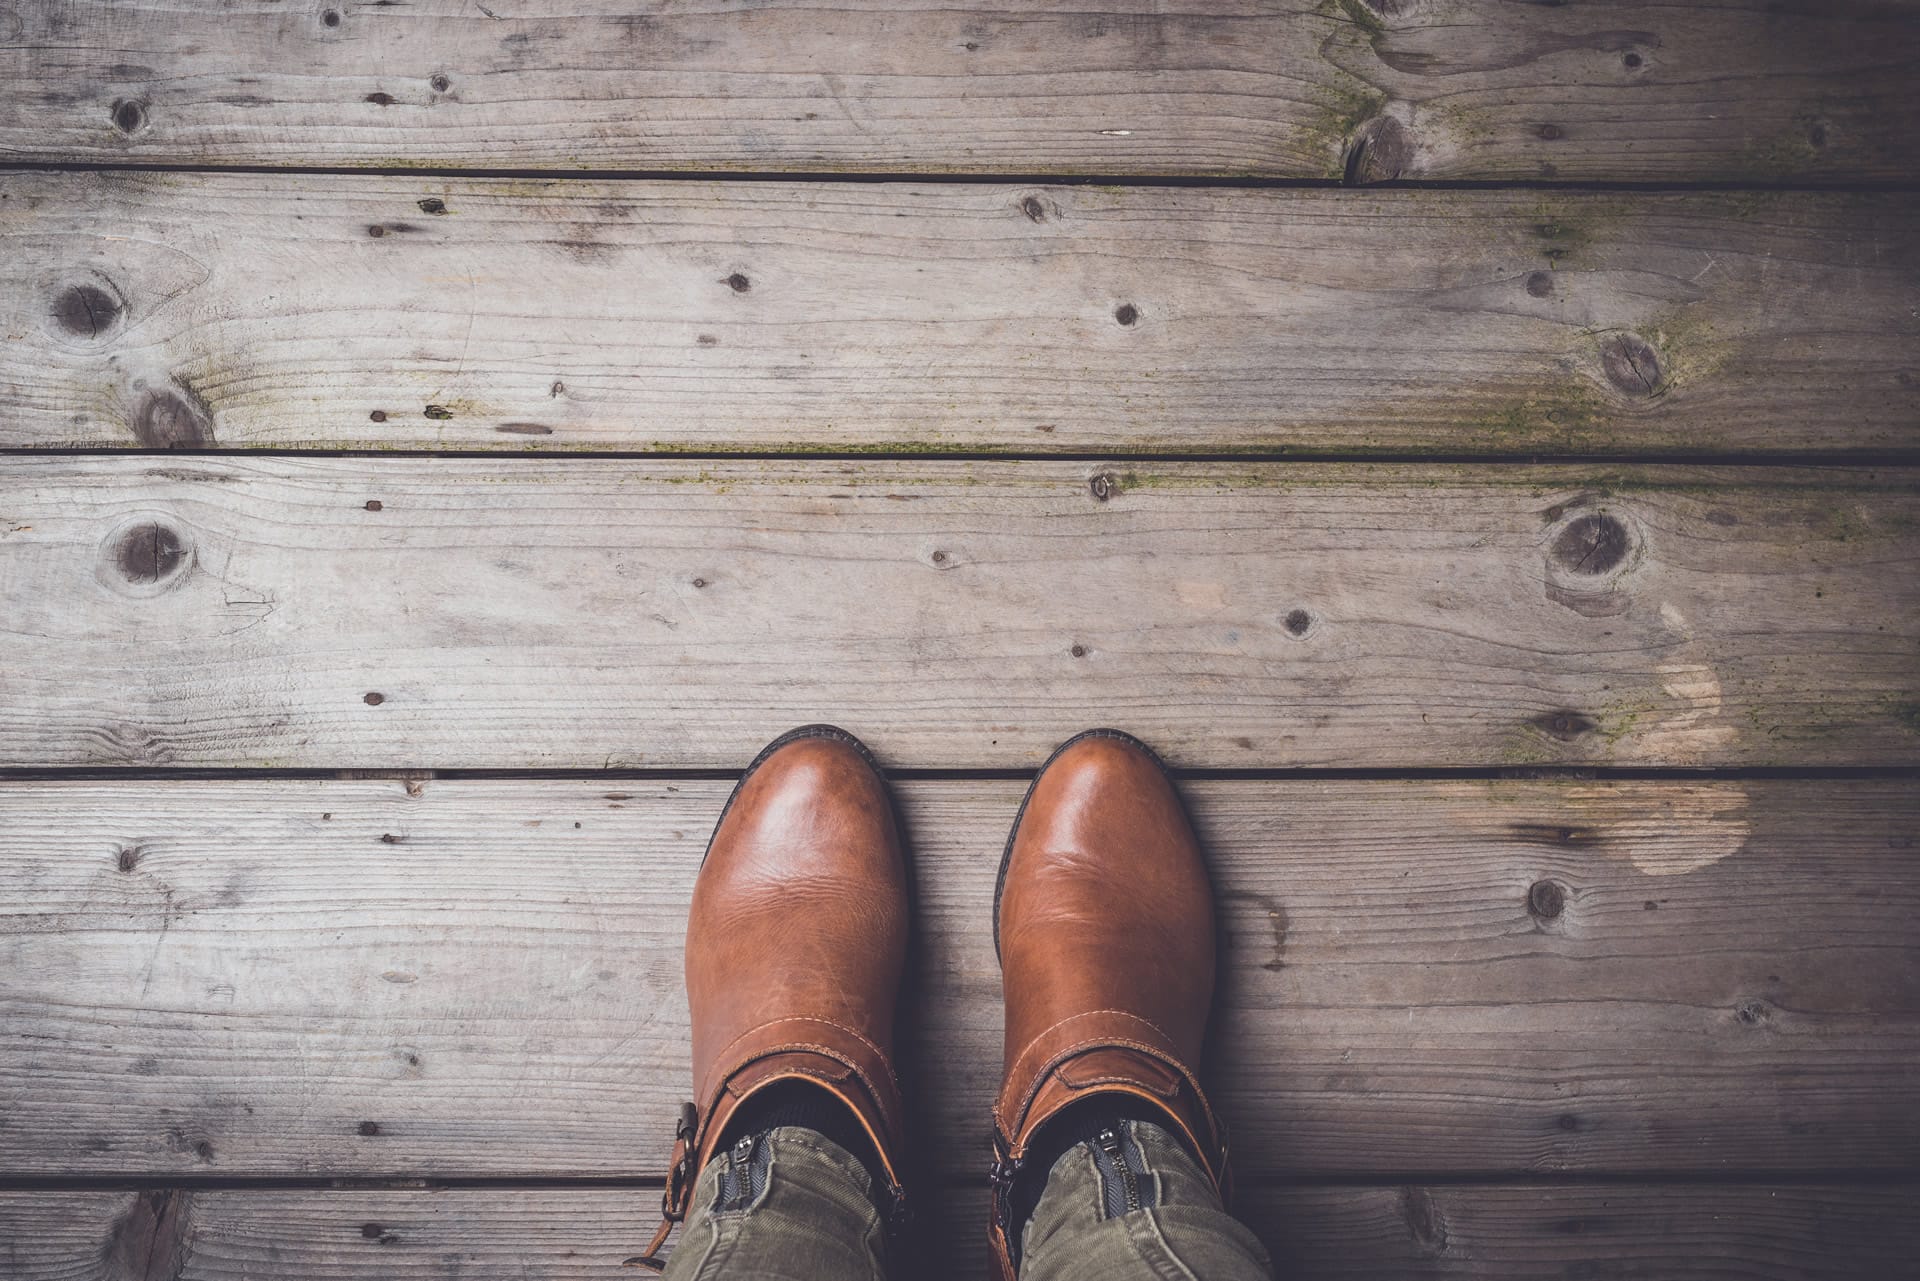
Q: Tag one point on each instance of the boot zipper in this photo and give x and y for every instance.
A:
(1122, 1170)
(736, 1181)
(1001, 1175)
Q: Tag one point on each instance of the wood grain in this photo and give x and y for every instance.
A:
(441, 613)
(248, 978)
(1761, 1232)
(278, 311)
(1742, 91)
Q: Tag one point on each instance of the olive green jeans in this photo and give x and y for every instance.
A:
(791, 1206)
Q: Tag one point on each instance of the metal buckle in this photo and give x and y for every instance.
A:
(1002, 1171)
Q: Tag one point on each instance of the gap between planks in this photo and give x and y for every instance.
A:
(1197, 182)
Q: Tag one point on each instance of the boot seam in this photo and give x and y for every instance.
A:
(1014, 1070)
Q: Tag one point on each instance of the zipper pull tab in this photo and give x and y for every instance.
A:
(736, 1181)
(1110, 1144)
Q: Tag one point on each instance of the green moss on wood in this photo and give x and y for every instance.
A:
(1362, 17)
(1905, 713)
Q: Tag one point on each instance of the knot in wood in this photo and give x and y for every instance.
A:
(129, 116)
(86, 310)
(1632, 365)
(170, 419)
(1546, 899)
(1563, 724)
(1592, 544)
(1380, 151)
(150, 553)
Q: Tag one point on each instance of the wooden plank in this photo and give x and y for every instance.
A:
(1792, 1232)
(1743, 90)
(442, 613)
(297, 978)
(256, 310)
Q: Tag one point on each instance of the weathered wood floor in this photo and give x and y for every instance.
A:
(440, 442)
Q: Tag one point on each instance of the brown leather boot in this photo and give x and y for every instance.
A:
(795, 945)
(1104, 923)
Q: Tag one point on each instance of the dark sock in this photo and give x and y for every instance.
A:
(807, 1106)
(1073, 1125)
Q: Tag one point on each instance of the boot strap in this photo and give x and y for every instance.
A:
(679, 1192)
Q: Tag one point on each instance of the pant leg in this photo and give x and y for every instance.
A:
(1082, 1231)
(797, 1208)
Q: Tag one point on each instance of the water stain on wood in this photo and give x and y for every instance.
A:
(1274, 913)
